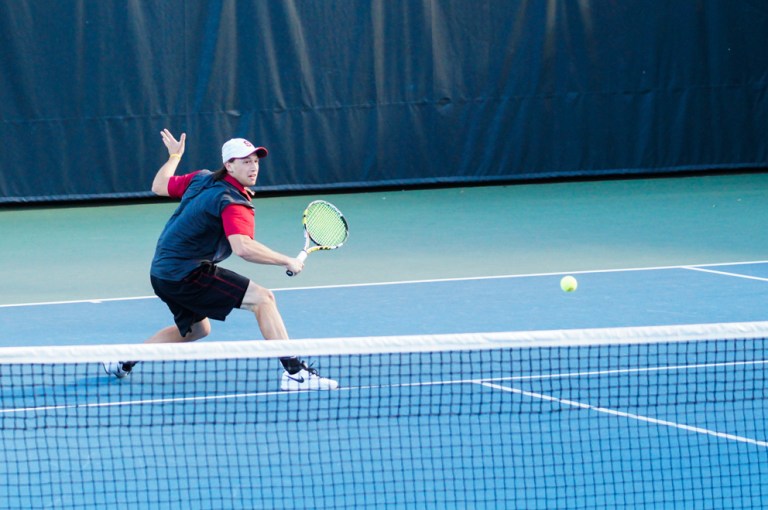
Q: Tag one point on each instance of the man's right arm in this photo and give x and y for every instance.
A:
(253, 251)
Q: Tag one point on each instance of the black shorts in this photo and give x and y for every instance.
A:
(208, 292)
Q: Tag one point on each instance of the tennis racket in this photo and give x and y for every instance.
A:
(324, 229)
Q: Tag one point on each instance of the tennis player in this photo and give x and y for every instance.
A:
(214, 219)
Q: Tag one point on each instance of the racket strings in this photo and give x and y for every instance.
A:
(325, 225)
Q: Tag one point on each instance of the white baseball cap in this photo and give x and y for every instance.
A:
(240, 148)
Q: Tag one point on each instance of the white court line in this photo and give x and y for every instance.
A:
(77, 301)
(624, 371)
(725, 273)
(622, 414)
(138, 402)
(436, 280)
(483, 382)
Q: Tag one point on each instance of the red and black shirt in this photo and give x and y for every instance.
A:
(210, 211)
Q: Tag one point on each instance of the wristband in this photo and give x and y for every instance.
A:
(174, 155)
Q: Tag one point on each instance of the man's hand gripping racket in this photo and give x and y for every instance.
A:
(324, 229)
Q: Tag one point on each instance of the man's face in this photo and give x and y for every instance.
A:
(245, 170)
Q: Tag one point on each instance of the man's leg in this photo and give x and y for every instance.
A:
(262, 303)
(171, 334)
(297, 375)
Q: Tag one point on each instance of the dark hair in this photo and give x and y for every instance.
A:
(220, 173)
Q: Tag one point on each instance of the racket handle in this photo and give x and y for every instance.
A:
(302, 256)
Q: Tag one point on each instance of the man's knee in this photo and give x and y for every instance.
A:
(199, 330)
(256, 295)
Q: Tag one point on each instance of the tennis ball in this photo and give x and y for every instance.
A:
(568, 284)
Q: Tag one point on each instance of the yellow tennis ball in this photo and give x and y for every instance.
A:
(568, 284)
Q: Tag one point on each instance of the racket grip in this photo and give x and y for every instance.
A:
(302, 256)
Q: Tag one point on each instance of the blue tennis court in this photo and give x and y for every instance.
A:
(613, 298)
(480, 152)
(552, 426)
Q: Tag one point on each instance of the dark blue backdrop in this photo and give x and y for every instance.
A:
(382, 92)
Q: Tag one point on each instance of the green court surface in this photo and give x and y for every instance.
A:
(61, 253)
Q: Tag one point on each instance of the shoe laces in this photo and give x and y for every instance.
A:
(310, 369)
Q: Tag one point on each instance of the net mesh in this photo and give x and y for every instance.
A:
(640, 418)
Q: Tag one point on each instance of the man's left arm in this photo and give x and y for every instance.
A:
(164, 174)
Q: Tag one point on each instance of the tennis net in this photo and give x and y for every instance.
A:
(607, 418)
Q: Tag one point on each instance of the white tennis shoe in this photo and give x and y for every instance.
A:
(117, 368)
(306, 379)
